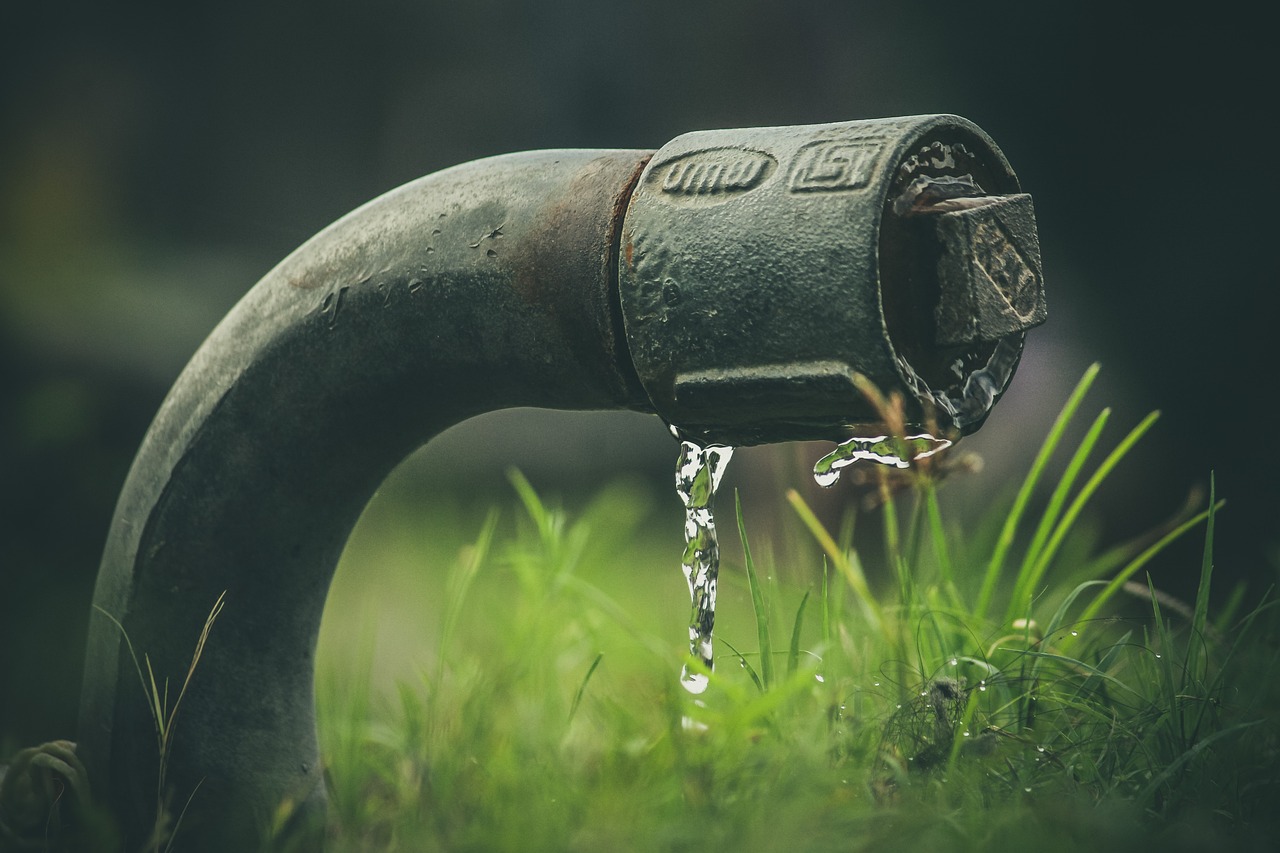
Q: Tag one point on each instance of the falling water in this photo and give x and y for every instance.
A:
(698, 474)
(885, 449)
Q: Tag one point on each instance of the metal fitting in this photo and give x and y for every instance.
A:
(762, 268)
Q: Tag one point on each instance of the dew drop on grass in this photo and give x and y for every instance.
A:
(885, 449)
(698, 473)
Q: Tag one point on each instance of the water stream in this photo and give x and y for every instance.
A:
(698, 473)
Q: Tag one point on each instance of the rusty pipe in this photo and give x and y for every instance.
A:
(732, 282)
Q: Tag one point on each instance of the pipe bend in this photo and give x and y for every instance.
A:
(480, 287)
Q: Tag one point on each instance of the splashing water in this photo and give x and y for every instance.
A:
(885, 449)
(698, 474)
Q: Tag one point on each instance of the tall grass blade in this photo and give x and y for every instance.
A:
(1118, 582)
(962, 731)
(827, 605)
(543, 519)
(459, 582)
(1200, 622)
(757, 599)
(1010, 528)
(1024, 588)
(848, 568)
(793, 657)
(1196, 663)
(1086, 492)
(1168, 679)
(941, 553)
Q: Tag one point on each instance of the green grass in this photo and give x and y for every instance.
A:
(1018, 689)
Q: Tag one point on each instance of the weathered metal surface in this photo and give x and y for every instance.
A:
(989, 278)
(757, 269)
(484, 286)
(763, 267)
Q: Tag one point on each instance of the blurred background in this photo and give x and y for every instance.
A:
(157, 159)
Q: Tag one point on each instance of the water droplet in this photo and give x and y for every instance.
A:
(689, 724)
(1075, 633)
(1026, 790)
(1157, 655)
(954, 662)
(884, 449)
(875, 684)
(694, 682)
(982, 685)
(1039, 749)
(966, 734)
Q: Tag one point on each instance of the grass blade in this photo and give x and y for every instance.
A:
(1024, 588)
(757, 600)
(742, 659)
(459, 583)
(1005, 542)
(1177, 764)
(847, 567)
(1086, 492)
(577, 697)
(1139, 561)
(1200, 621)
(938, 533)
(793, 658)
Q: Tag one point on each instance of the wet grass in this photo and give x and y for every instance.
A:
(1012, 685)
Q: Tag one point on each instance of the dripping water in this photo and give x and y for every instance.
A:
(885, 449)
(699, 470)
(698, 474)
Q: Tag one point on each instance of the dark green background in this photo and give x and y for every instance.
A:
(157, 158)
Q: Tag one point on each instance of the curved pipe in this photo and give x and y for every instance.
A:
(733, 282)
(480, 287)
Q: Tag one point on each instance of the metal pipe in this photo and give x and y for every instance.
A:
(730, 282)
